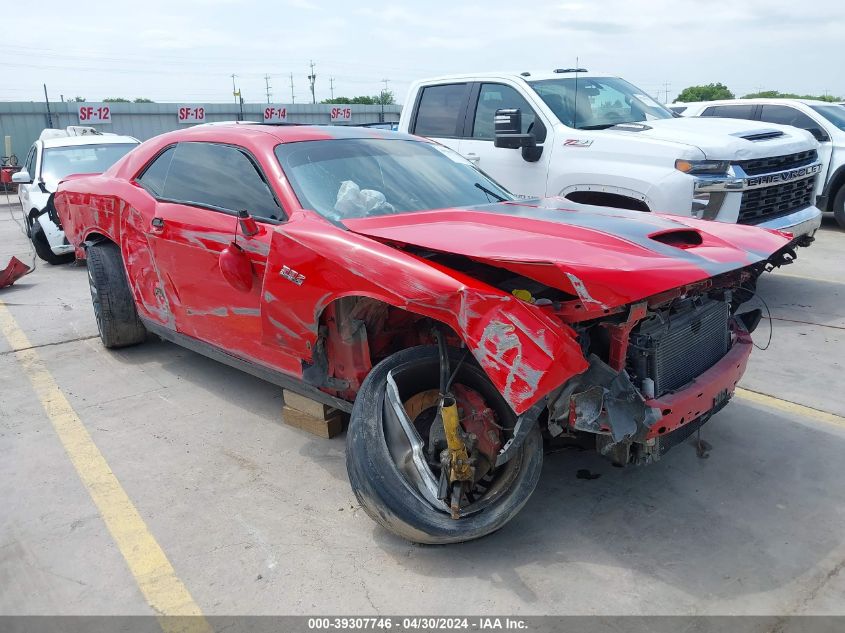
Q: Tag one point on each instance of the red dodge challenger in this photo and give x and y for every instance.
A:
(386, 276)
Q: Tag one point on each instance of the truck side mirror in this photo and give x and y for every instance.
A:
(22, 177)
(508, 134)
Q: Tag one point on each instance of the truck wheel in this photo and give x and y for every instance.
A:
(42, 247)
(394, 489)
(839, 206)
(114, 306)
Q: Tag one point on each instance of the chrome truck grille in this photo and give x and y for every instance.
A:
(672, 349)
(766, 203)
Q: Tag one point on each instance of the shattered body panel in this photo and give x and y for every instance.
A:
(533, 288)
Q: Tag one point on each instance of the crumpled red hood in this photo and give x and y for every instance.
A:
(609, 256)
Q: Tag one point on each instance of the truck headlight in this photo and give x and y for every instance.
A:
(702, 167)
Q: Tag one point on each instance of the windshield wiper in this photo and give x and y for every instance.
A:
(602, 126)
(490, 193)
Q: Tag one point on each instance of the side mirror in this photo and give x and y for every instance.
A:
(22, 177)
(508, 127)
(820, 135)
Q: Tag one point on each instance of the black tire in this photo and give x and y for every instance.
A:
(43, 250)
(385, 494)
(114, 305)
(839, 206)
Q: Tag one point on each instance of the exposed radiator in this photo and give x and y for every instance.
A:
(674, 349)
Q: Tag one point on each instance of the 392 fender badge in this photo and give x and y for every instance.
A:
(291, 275)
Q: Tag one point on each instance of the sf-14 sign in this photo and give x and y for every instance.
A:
(275, 114)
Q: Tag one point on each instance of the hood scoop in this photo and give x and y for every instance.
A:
(760, 135)
(681, 238)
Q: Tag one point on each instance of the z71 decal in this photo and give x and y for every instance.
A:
(577, 142)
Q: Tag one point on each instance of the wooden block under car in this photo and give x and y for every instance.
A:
(309, 406)
(328, 427)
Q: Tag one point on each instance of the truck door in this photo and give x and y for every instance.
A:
(440, 113)
(506, 166)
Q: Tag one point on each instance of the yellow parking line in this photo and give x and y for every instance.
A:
(790, 407)
(148, 563)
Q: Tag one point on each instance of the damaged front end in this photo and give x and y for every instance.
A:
(658, 371)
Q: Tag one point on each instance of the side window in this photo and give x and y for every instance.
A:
(493, 97)
(730, 111)
(220, 176)
(29, 163)
(787, 116)
(441, 110)
(155, 174)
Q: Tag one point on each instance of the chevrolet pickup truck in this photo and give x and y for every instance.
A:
(597, 139)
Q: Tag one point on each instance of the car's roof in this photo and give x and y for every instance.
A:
(93, 139)
(527, 75)
(757, 100)
(287, 133)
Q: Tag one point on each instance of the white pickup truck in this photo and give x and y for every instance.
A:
(596, 139)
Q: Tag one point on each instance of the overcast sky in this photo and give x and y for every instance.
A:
(186, 50)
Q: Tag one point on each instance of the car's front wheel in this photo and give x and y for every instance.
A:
(42, 246)
(839, 206)
(114, 305)
(395, 445)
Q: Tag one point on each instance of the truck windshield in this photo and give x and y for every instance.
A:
(595, 103)
(833, 113)
(59, 162)
(363, 177)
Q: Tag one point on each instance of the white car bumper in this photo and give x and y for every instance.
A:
(55, 236)
(799, 223)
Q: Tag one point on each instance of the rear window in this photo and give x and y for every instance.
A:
(441, 110)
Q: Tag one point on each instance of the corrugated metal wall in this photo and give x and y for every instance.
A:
(23, 121)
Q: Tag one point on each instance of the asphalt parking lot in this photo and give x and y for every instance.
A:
(258, 518)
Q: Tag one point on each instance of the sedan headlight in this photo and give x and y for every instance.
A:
(703, 167)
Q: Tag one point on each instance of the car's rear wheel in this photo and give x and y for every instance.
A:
(839, 206)
(114, 306)
(394, 472)
(42, 247)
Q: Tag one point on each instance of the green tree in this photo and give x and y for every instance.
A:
(115, 100)
(710, 92)
(386, 97)
(774, 94)
(78, 99)
(143, 100)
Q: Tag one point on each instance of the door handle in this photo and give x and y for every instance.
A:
(472, 157)
(157, 223)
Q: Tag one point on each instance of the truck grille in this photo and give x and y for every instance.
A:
(766, 203)
(759, 166)
(674, 349)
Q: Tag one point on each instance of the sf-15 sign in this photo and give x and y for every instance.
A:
(275, 114)
(191, 114)
(94, 113)
(341, 114)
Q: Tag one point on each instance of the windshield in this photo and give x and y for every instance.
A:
(59, 162)
(354, 178)
(601, 102)
(833, 113)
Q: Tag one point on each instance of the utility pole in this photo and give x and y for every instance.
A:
(49, 114)
(238, 99)
(267, 86)
(383, 98)
(292, 96)
(331, 86)
(666, 85)
(312, 78)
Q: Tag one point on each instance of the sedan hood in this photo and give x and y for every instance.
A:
(607, 257)
(723, 139)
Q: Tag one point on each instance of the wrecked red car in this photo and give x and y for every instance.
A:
(386, 276)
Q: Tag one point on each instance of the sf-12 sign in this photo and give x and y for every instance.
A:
(341, 114)
(275, 114)
(191, 114)
(94, 113)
